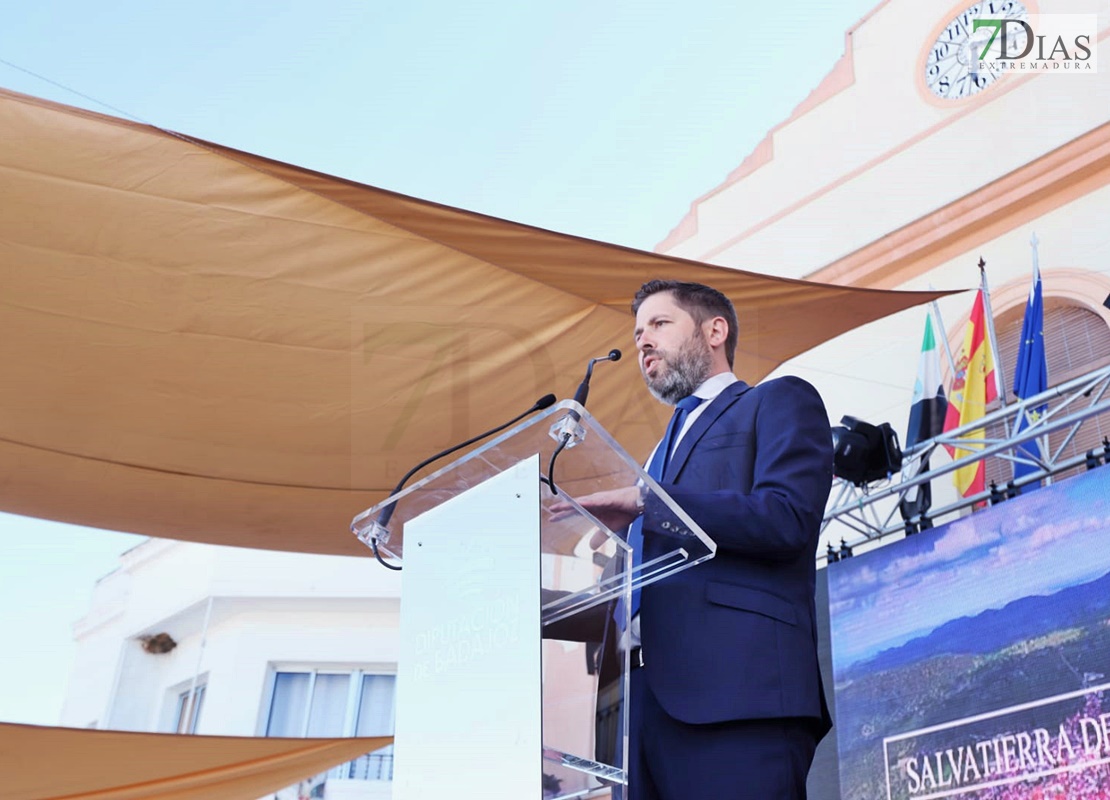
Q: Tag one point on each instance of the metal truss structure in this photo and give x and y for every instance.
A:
(870, 512)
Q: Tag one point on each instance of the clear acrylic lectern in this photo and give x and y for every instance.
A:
(496, 550)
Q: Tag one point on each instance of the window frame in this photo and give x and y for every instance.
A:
(355, 678)
(354, 673)
(177, 701)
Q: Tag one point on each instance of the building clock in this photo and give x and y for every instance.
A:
(950, 72)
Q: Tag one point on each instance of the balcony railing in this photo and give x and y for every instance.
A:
(376, 766)
(871, 512)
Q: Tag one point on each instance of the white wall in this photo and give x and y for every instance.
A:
(266, 609)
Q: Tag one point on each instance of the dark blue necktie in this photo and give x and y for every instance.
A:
(657, 468)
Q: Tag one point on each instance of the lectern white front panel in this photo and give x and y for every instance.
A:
(469, 685)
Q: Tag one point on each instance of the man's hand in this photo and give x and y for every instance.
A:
(614, 508)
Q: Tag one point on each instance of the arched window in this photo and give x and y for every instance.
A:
(1077, 341)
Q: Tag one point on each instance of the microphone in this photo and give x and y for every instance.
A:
(568, 428)
(546, 401)
(584, 387)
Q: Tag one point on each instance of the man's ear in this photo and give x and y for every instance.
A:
(716, 331)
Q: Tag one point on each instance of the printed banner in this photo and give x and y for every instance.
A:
(972, 661)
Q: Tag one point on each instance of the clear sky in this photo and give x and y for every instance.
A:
(601, 119)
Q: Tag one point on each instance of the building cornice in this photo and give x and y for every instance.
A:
(1034, 189)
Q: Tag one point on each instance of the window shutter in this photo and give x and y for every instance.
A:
(1077, 341)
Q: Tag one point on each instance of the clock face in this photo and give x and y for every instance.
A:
(952, 68)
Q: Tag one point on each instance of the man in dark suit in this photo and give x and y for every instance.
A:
(726, 696)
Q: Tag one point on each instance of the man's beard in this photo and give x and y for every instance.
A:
(679, 374)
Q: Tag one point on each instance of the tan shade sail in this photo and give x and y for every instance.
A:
(43, 763)
(203, 344)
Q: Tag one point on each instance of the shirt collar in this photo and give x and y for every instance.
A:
(715, 385)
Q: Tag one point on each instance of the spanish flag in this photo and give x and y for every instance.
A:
(972, 389)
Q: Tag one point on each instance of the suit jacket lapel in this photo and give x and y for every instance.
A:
(705, 420)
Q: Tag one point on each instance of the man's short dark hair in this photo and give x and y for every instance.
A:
(699, 301)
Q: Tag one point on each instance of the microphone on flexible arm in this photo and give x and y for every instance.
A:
(568, 428)
(546, 401)
(583, 390)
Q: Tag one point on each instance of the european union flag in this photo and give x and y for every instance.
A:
(1031, 373)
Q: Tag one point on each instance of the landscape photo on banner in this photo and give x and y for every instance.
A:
(973, 660)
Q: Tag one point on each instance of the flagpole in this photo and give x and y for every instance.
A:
(1033, 242)
(942, 334)
(999, 382)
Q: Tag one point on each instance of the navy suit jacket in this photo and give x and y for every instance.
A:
(735, 637)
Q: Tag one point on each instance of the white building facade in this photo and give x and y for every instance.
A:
(265, 644)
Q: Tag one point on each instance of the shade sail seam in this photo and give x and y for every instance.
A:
(187, 474)
(562, 324)
(174, 331)
(398, 232)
